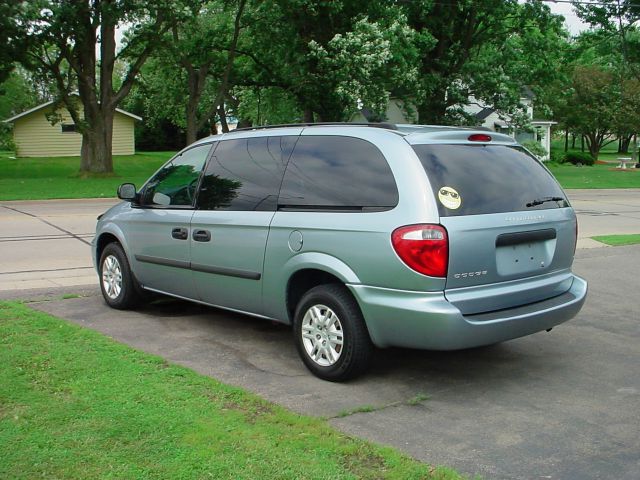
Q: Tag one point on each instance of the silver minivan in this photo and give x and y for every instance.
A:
(359, 236)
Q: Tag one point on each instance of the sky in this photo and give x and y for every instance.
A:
(573, 23)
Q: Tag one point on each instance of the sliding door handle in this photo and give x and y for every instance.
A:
(202, 235)
(180, 233)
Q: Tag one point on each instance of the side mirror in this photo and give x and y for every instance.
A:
(127, 191)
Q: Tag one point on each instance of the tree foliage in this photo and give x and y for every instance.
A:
(73, 45)
(487, 50)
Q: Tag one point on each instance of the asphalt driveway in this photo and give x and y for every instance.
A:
(558, 405)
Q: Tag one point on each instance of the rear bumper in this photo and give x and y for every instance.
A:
(398, 318)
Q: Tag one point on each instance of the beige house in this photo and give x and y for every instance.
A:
(34, 135)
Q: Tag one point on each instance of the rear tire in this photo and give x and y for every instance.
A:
(119, 288)
(331, 335)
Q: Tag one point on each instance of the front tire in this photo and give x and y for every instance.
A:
(331, 335)
(118, 286)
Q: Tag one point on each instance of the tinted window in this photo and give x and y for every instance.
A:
(245, 174)
(479, 179)
(338, 172)
(176, 182)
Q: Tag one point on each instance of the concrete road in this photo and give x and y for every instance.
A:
(45, 244)
(558, 405)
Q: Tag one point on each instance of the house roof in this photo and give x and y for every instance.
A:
(46, 104)
(484, 113)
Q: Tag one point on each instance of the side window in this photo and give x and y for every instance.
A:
(245, 174)
(176, 183)
(334, 172)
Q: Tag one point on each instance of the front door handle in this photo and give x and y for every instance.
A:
(202, 235)
(180, 233)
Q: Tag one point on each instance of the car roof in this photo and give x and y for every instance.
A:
(414, 134)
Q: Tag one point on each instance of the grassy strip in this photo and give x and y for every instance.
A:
(618, 240)
(597, 176)
(74, 404)
(45, 178)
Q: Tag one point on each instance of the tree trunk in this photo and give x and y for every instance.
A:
(223, 120)
(308, 115)
(566, 141)
(594, 145)
(623, 143)
(97, 143)
(192, 127)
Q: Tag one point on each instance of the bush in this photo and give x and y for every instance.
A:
(535, 148)
(558, 157)
(579, 158)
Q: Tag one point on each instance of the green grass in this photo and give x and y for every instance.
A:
(75, 404)
(618, 240)
(597, 176)
(45, 178)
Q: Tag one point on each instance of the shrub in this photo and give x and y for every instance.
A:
(535, 148)
(558, 157)
(579, 158)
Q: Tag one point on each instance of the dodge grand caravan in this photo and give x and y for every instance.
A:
(359, 237)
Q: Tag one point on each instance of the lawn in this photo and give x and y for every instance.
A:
(44, 178)
(597, 176)
(76, 404)
(618, 240)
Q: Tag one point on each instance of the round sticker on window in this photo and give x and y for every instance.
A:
(450, 198)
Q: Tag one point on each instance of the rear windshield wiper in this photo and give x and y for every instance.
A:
(540, 201)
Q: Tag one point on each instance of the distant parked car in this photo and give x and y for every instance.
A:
(412, 236)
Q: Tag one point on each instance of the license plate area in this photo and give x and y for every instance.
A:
(524, 257)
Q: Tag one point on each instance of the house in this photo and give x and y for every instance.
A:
(35, 136)
(497, 121)
(486, 117)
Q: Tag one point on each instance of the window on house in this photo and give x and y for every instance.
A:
(69, 127)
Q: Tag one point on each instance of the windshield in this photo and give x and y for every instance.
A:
(483, 179)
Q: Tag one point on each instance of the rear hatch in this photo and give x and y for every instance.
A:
(511, 229)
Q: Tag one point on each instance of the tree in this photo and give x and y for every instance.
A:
(488, 50)
(16, 95)
(12, 37)
(205, 48)
(616, 18)
(329, 56)
(74, 45)
(595, 102)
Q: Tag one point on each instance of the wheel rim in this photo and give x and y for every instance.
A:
(322, 335)
(111, 277)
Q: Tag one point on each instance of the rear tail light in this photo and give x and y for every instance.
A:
(424, 248)
(479, 137)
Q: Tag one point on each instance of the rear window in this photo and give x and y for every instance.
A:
(482, 179)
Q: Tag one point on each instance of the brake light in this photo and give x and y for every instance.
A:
(423, 248)
(479, 137)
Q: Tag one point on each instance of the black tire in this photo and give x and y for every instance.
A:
(129, 295)
(354, 354)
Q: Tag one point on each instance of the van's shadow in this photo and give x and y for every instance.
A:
(483, 365)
